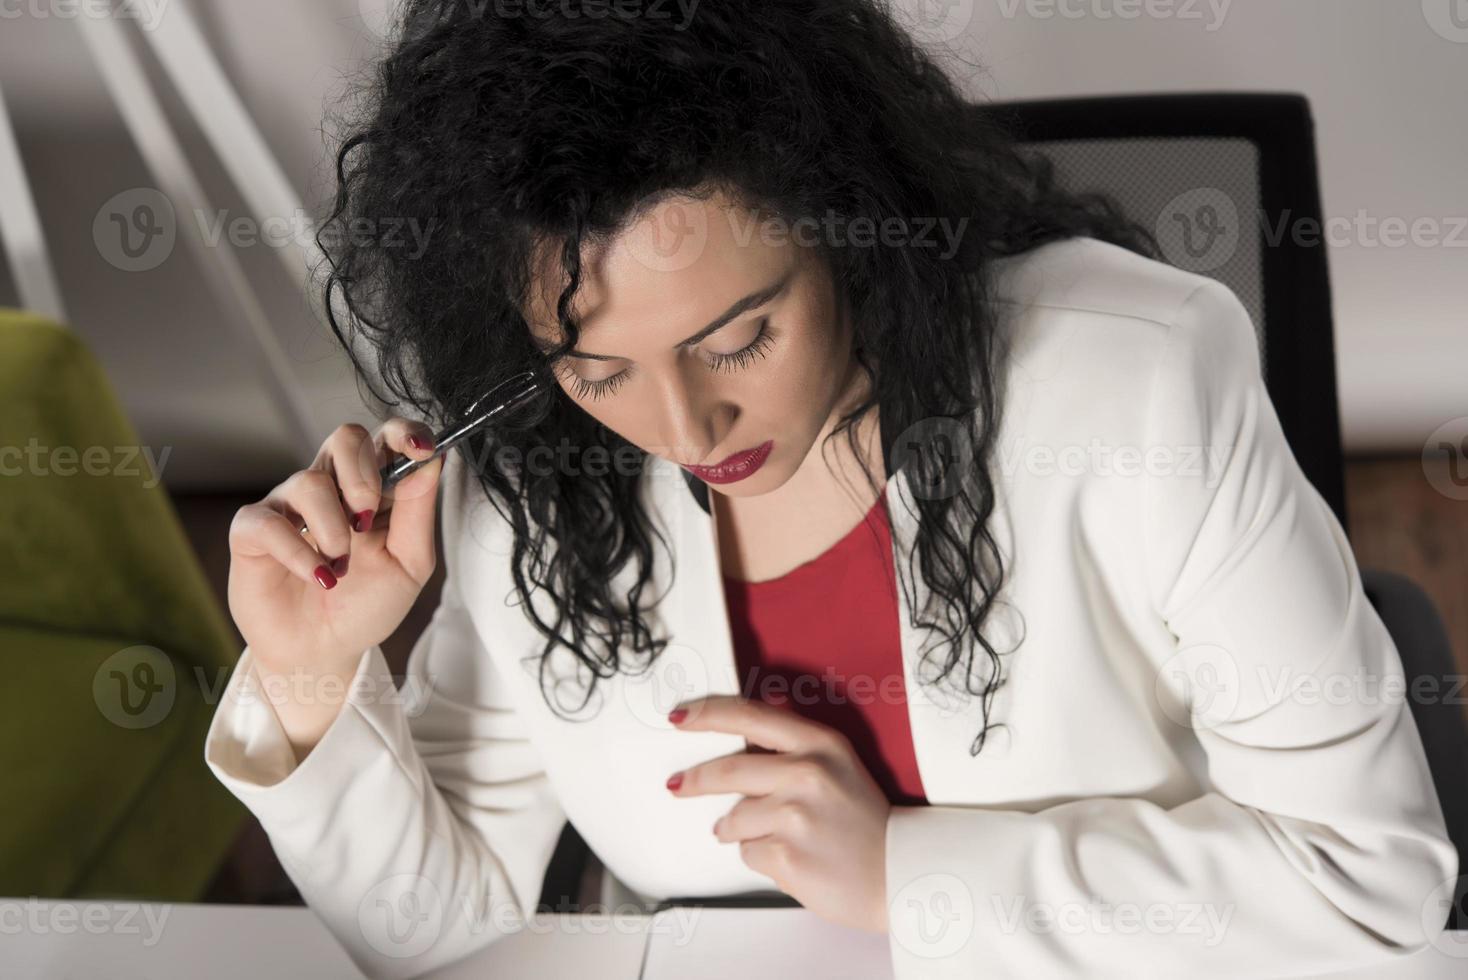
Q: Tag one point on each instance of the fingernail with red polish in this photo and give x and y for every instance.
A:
(362, 521)
(324, 576)
(339, 567)
(420, 443)
(675, 780)
(677, 715)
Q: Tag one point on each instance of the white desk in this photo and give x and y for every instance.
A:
(142, 941)
(48, 940)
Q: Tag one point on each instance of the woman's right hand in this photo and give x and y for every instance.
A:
(316, 602)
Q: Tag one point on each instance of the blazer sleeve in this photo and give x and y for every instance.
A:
(1320, 841)
(420, 826)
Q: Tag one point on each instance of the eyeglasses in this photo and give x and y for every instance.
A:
(501, 398)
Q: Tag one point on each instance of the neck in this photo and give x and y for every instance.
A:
(830, 478)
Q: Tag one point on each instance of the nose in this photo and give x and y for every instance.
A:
(692, 421)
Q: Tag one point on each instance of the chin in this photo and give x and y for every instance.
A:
(742, 488)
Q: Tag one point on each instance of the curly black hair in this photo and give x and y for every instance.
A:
(503, 131)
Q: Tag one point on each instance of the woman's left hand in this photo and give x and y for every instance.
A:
(812, 819)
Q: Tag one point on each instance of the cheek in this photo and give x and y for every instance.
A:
(623, 412)
(601, 409)
(810, 364)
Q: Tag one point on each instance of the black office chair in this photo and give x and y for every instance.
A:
(1215, 175)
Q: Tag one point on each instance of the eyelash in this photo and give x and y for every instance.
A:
(721, 362)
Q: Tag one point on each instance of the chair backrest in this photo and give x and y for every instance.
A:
(1228, 184)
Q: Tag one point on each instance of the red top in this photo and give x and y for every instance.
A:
(824, 640)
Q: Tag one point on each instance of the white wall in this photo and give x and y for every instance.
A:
(1388, 84)
(183, 376)
(1387, 89)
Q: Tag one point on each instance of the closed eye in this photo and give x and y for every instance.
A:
(744, 355)
(719, 362)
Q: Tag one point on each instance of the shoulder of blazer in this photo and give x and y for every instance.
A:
(1088, 302)
(1087, 275)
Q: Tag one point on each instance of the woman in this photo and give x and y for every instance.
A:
(825, 348)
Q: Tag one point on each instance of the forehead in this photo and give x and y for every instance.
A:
(676, 265)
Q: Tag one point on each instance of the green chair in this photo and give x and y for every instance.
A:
(112, 645)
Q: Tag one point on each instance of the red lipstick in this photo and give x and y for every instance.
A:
(736, 467)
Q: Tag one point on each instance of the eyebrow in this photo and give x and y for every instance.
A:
(753, 301)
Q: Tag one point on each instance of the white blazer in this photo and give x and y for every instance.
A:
(1156, 527)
